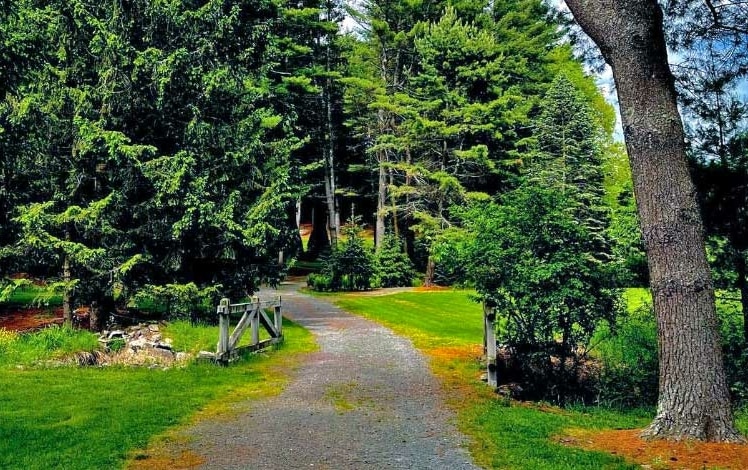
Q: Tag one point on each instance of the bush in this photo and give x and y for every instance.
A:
(393, 267)
(734, 349)
(117, 345)
(319, 282)
(349, 267)
(629, 364)
(546, 274)
(529, 374)
(177, 301)
(629, 374)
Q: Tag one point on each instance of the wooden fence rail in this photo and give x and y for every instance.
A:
(254, 314)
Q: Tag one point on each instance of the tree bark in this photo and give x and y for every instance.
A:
(318, 240)
(428, 278)
(333, 214)
(379, 227)
(95, 316)
(67, 296)
(693, 397)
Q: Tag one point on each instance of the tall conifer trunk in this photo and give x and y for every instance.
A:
(379, 227)
(333, 213)
(693, 397)
(67, 297)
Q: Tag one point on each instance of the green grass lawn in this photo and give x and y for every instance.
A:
(94, 418)
(447, 326)
(34, 296)
(444, 318)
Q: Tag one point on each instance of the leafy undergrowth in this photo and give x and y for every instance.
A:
(94, 418)
(504, 434)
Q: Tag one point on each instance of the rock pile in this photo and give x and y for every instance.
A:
(140, 345)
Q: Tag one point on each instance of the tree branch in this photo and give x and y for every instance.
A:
(717, 21)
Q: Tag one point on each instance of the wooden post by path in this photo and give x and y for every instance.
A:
(489, 333)
(278, 318)
(256, 320)
(223, 329)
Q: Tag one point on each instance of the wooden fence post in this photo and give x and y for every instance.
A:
(223, 329)
(278, 318)
(256, 320)
(489, 330)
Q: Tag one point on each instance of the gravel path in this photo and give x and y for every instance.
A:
(365, 400)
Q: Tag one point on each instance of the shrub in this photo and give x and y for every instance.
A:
(629, 374)
(178, 301)
(393, 267)
(545, 273)
(349, 267)
(734, 349)
(529, 374)
(629, 364)
(117, 345)
(319, 282)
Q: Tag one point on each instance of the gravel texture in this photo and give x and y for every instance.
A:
(365, 400)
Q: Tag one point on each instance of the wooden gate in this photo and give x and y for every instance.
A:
(254, 314)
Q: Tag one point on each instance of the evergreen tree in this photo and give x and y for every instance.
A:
(569, 158)
(542, 256)
(157, 143)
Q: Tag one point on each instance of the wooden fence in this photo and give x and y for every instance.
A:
(254, 314)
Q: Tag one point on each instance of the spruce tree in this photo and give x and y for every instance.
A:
(542, 257)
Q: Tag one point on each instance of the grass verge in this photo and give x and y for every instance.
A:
(94, 418)
(448, 328)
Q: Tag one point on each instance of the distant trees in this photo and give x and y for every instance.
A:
(442, 99)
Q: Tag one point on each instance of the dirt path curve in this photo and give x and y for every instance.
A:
(366, 400)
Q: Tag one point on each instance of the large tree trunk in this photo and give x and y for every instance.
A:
(693, 397)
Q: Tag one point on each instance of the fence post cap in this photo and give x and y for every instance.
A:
(225, 301)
